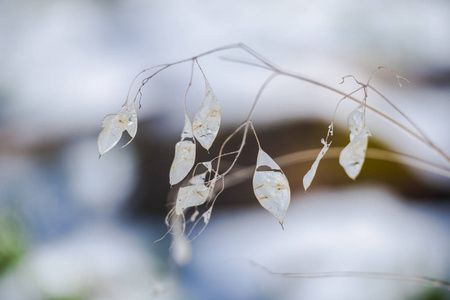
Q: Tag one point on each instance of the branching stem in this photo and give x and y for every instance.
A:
(270, 66)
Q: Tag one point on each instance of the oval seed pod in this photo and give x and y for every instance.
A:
(271, 186)
(207, 120)
(184, 154)
(190, 196)
(132, 122)
(352, 156)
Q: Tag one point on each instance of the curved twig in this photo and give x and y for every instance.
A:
(356, 274)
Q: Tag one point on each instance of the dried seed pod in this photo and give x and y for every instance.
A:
(206, 122)
(309, 176)
(271, 186)
(184, 154)
(190, 196)
(353, 155)
(114, 126)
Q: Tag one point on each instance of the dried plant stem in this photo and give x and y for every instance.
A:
(266, 64)
(426, 140)
(421, 136)
(189, 86)
(245, 124)
(356, 274)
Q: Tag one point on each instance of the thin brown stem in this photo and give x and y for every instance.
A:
(356, 274)
(422, 133)
(256, 136)
(246, 124)
(264, 85)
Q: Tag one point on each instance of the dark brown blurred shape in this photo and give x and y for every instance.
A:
(155, 157)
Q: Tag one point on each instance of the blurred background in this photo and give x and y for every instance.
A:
(74, 227)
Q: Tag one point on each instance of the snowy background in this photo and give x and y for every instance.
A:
(65, 230)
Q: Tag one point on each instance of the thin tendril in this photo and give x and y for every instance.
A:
(189, 86)
(355, 274)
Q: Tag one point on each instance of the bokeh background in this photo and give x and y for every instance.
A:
(76, 227)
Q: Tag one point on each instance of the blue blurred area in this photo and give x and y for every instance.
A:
(65, 228)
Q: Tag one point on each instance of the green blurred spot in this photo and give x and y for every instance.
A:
(12, 242)
(432, 294)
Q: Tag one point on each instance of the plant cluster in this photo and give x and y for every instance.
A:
(198, 193)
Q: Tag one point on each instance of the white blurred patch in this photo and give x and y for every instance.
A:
(363, 229)
(98, 262)
(99, 184)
